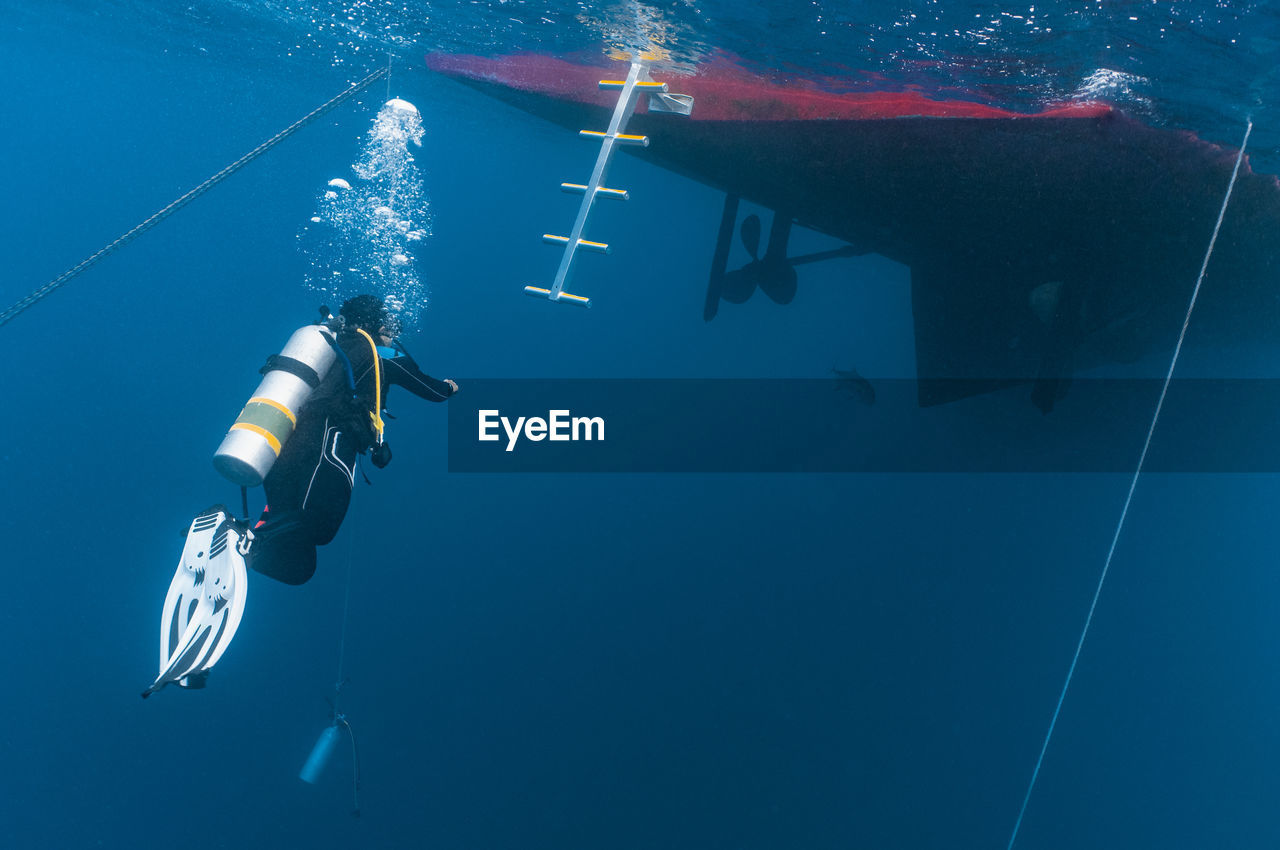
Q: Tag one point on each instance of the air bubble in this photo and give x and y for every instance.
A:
(358, 239)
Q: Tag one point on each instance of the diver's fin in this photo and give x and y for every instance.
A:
(205, 601)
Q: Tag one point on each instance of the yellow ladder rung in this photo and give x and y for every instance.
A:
(625, 138)
(649, 85)
(579, 189)
(602, 247)
(541, 292)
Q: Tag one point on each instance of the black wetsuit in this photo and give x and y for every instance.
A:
(309, 487)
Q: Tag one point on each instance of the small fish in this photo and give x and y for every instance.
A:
(854, 385)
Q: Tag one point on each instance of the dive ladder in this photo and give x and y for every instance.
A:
(636, 83)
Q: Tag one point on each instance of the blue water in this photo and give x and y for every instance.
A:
(632, 661)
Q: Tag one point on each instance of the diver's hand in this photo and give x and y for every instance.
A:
(452, 383)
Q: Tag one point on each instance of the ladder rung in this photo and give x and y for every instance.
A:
(648, 85)
(601, 247)
(579, 189)
(624, 138)
(539, 292)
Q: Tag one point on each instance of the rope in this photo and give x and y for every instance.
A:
(39, 294)
(346, 608)
(355, 767)
(338, 717)
(1132, 486)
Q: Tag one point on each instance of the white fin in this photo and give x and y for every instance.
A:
(205, 601)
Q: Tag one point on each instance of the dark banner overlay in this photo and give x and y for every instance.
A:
(807, 426)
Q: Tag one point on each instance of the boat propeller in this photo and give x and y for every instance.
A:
(774, 274)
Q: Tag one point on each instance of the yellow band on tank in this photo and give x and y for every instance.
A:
(261, 432)
(270, 418)
(278, 406)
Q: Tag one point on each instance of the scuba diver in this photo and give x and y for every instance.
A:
(299, 436)
(309, 487)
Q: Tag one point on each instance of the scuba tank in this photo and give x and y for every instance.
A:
(323, 750)
(320, 753)
(252, 445)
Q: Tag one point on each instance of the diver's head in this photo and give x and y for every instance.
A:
(367, 312)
